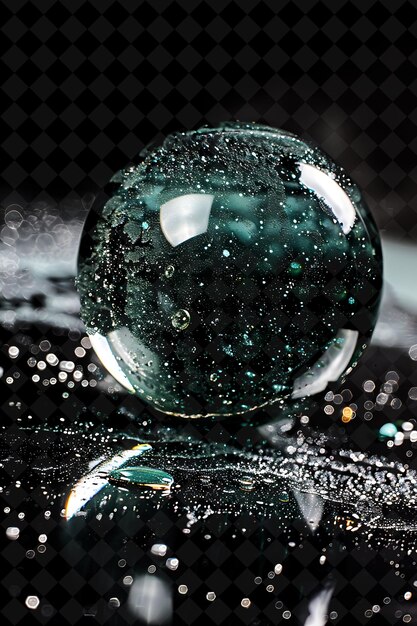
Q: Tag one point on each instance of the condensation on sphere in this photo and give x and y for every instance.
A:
(231, 268)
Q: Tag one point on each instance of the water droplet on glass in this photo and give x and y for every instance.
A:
(246, 483)
(141, 477)
(369, 385)
(32, 602)
(13, 217)
(12, 533)
(159, 549)
(388, 430)
(13, 352)
(413, 352)
(181, 319)
(169, 271)
(412, 393)
(172, 563)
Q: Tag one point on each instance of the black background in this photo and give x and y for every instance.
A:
(87, 84)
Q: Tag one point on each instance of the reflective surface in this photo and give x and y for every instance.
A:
(112, 516)
(231, 269)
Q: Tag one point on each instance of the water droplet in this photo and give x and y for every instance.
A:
(226, 253)
(369, 385)
(13, 352)
(388, 430)
(413, 352)
(412, 393)
(169, 271)
(295, 269)
(12, 533)
(32, 602)
(183, 589)
(13, 217)
(181, 319)
(145, 477)
(172, 563)
(159, 549)
(246, 483)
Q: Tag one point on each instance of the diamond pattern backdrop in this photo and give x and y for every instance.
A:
(85, 86)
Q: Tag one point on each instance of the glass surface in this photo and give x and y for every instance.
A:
(113, 516)
(232, 269)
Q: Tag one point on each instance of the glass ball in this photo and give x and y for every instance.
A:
(230, 269)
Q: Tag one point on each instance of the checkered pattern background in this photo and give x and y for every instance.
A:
(86, 85)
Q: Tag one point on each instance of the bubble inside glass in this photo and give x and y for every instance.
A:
(231, 268)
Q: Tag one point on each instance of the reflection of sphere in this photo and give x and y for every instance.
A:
(231, 268)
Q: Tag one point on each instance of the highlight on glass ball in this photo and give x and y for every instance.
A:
(231, 269)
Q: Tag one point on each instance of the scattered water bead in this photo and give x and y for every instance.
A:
(159, 549)
(277, 272)
(13, 352)
(412, 393)
(12, 533)
(369, 385)
(13, 217)
(181, 319)
(114, 603)
(145, 477)
(388, 430)
(413, 352)
(32, 602)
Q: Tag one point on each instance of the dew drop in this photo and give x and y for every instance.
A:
(169, 271)
(32, 602)
(141, 477)
(181, 319)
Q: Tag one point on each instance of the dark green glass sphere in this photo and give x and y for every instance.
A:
(231, 268)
